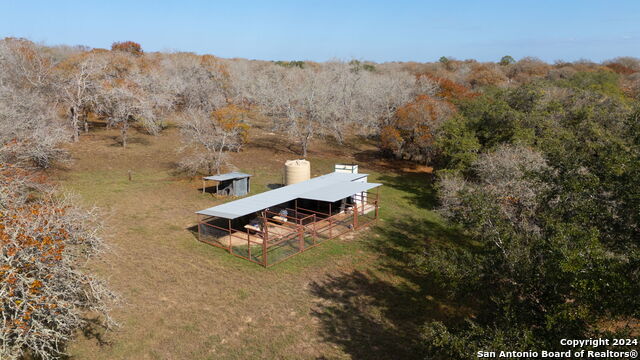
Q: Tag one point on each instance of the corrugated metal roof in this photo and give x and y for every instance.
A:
(227, 176)
(335, 193)
(252, 204)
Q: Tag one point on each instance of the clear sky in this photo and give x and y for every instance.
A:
(321, 30)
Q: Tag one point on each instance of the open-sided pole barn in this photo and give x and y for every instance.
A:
(272, 226)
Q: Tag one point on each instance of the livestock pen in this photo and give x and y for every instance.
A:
(270, 227)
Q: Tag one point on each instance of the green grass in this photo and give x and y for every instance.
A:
(345, 298)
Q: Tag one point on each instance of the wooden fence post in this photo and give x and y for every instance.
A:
(265, 238)
(248, 243)
(301, 234)
(199, 235)
(355, 216)
(230, 239)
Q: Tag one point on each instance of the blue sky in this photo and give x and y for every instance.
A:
(321, 30)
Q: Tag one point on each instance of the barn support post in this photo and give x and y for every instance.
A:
(265, 238)
(330, 219)
(315, 234)
(229, 234)
(301, 237)
(199, 222)
(248, 243)
(355, 215)
(377, 203)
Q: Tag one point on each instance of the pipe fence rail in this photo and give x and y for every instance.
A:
(282, 236)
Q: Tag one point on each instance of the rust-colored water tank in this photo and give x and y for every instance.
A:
(296, 171)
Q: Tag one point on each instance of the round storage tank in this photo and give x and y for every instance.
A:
(296, 171)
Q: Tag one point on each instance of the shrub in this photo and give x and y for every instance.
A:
(44, 242)
(130, 47)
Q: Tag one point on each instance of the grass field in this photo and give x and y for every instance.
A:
(352, 297)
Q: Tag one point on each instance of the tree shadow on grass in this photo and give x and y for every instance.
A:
(418, 187)
(274, 144)
(401, 242)
(94, 329)
(117, 141)
(377, 160)
(378, 314)
(369, 317)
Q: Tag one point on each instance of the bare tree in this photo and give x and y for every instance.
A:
(382, 95)
(78, 83)
(526, 69)
(306, 113)
(44, 293)
(327, 99)
(122, 98)
(158, 89)
(24, 66)
(195, 82)
(278, 92)
(505, 171)
(343, 87)
(124, 102)
(210, 137)
(247, 81)
(504, 175)
(29, 128)
(632, 63)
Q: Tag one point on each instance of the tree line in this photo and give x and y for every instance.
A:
(51, 95)
(543, 178)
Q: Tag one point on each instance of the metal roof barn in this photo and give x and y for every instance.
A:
(227, 176)
(329, 186)
(270, 227)
(333, 193)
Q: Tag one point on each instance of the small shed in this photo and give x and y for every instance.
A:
(233, 183)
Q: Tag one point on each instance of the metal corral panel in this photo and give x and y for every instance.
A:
(227, 176)
(335, 193)
(255, 203)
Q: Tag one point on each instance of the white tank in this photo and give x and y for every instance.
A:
(296, 171)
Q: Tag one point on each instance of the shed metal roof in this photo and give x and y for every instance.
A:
(335, 193)
(227, 176)
(252, 204)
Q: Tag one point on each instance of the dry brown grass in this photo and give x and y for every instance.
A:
(185, 299)
(188, 300)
